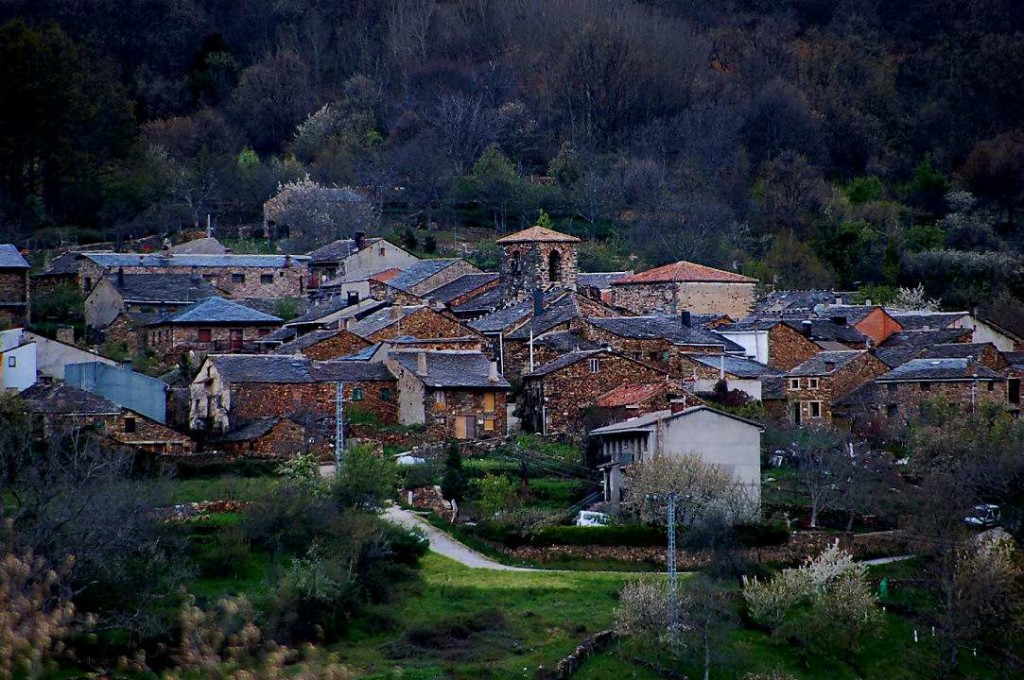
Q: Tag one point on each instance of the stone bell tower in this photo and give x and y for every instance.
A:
(537, 258)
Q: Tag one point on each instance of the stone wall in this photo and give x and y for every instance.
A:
(861, 370)
(283, 282)
(571, 391)
(788, 348)
(734, 299)
(907, 398)
(148, 435)
(454, 271)
(525, 266)
(173, 341)
(466, 403)
(14, 296)
(424, 323)
(342, 344)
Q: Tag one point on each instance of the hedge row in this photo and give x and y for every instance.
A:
(749, 535)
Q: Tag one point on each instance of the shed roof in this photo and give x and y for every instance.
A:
(825, 363)
(684, 272)
(628, 395)
(63, 399)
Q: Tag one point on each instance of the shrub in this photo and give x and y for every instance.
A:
(760, 535)
(627, 535)
(228, 549)
(365, 480)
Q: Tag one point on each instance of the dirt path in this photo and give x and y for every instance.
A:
(445, 545)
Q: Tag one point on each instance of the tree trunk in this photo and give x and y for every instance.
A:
(814, 514)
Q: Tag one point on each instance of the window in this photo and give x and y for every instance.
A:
(383, 252)
(815, 407)
(488, 424)
(264, 279)
(926, 387)
(12, 362)
(439, 398)
(489, 401)
(794, 383)
(238, 278)
(812, 383)
(385, 394)
(88, 283)
(891, 410)
(595, 365)
(129, 425)
(991, 386)
(205, 334)
(554, 266)
(515, 263)
(357, 394)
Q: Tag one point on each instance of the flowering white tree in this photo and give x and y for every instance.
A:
(306, 214)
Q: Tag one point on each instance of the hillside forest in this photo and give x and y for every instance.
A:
(858, 144)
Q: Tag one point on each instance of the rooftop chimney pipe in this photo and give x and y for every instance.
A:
(421, 364)
(120, 277)
(492, 376)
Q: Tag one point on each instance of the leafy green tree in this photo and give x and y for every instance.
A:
(498, 494)
(495, 182)
(365, 480)
(453, 484)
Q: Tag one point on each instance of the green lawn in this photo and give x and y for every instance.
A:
(471, 623)
(219, 488)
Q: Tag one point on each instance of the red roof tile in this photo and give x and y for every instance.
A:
(684, 271)
(386, 275)
(538, 234)
(627, 395)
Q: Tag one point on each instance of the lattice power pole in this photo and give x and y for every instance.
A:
(673, 611)
(339, 427)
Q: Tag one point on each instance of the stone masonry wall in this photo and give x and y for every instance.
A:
(423, 323)
(342, 344)
(462, 403)
(734, 299)
(908, 397)
(831, 387)
(787, 348)
(571, 390)
(533, 268)
(285, 281)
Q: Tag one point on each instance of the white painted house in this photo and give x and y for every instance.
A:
(722, 439)
(17, 366)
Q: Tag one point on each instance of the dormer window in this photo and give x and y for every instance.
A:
(515, 263)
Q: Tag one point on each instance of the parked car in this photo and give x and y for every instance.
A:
(984, 515)
(589, 518)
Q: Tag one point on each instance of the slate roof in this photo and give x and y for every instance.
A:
(826, 329)
(460, 286)
(62, 265)
(200, 246)
(645, 421)
(10, 257)
(957, 350)
(925, 339)
(316, 312)
(868, 394)
(217, 310)
(917, 370)
(285, 334)
(780, 300)
(738, 366)
(921, 321)
(568, 360)
(451, 368)
(335, 251)
(362, 355)
(816, 364)
(599, 280)
(270, 305)
(663, 326)
(684, 272)
(772, 387)
(627, 395)
(351, 371)
(897, 355)
(419, 272)
(262, 368)
(485, 302)
(162, 287)
(560, 311)
(174, 260)
(306, 341)
(500, 319)
(381, 319)
(537, 233)
(565, 341)
(63, 399)
(1015, 359)
(248, 432)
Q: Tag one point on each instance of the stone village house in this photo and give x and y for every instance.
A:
(143, 298)
(14, 287)
(536, 258)
(213, 325)
(356, 258)
(557, 396)
(456, 394)
(814, 385)
(232, 391)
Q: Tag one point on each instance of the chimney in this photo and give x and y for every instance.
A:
(839, 300)
(805, 328)
(685, 318)
(678, 405)
(360, 240)
(538, 302)
(867, 303)
(120, 277)
(421, 364)
(287, 260)
(493, 376)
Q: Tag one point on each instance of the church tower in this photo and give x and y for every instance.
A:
(537, 258)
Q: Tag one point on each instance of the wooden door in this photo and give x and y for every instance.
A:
(236, 339)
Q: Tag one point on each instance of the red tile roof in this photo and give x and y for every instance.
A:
(627, 395)
(386, 275)
(684, 271)
(538, 234)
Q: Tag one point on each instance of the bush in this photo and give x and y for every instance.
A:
(225, 552)
(760, 535)
(628, 535)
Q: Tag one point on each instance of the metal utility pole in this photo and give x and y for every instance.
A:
(673, 612)
(339, 427)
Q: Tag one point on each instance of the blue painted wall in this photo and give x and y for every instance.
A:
(140, 393)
